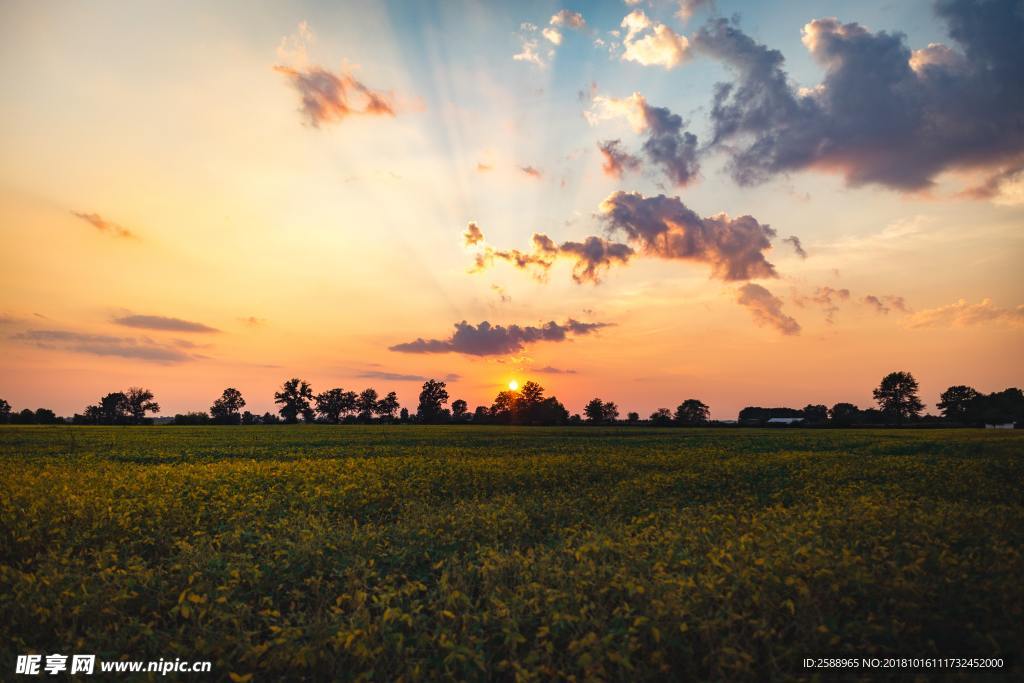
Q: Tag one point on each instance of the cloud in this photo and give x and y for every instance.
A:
(106, 345)
(797, 246)
(481, 167)
(687, 8)
(550, 370)
(502, 295)
(964, 314)
(766, 308)
(530, 45)
(253, 321)
(329, 98)
(883, 114)
(568, 19)
(590, 258)
(658, 46)
(486, 339)
(552, 35)
(159, 322)
(1005, 188)
(531, 171)
(103, 225)
(616, 160)
(887, 303)
(667, 144)
(392, 376)
(827, 298)
(473, 234)
(664, 227)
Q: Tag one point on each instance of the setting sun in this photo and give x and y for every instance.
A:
(513, 385)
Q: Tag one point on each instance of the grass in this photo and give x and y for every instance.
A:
(418, 553)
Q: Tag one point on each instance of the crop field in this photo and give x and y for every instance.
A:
(424, 553)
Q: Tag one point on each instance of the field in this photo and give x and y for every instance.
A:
(418, 553)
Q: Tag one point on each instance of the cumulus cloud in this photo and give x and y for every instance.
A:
(687, 8)
(107, 345)
(328, 97)
(568, 19)
(667, 145)
(965, 314)
(486, 339)
(530, 50)
(884, 304)
(615, 159)
(553, 35)
(651, 43)
(797, 246)
(766, 308)
(159, 322)
(103, 225)
(666, 228)
(883, 114)
(590, 258)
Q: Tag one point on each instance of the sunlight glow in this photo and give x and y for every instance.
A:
(513, 385)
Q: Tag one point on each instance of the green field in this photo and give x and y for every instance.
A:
(400, 552)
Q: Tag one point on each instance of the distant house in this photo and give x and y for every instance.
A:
(784, 421)
(1001, 425)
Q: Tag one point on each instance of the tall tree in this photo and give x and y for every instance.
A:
(366, 404)
(609, 412)
(594, 410)
(5, 411)
(294, 399)
(388, 406)
(691, 412)
(139, 402)
(661, 417)
(815, 413)
(897, 397)
(531, 393)
(227, 409)
(956, 402)
(433, 398)
(334, 404)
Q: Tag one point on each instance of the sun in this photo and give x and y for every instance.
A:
(513, 385)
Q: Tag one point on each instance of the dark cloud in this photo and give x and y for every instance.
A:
(486, 339)
(616, 160)
(328, 97)
(766, 308)
(103, 225)
(797, 246)
(589, 258)
(883, 114)
(105, 345)
(885, 304)
(669, 146)
(551, 370)
(473, 234)
(531, 171)
(159, 322)
(664, 227)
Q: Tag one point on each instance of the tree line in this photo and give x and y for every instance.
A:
(896, 396)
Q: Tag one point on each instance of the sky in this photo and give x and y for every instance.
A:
(640, 201)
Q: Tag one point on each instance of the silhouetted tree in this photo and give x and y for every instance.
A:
(366, 404)
(269, 419)
(594, 410)
(25, 417)
(45, 416)
(388, 406)
(531, 393)
(112, 409)
(609, 412)
(403, 415)
(897, 396)
(225, 410)
(459, 408)
(815, 413)
(998, 407)
(691, 412)
(755, 415)
(661, 417)
(140, 401)
(433, 397)
(956, 402)
(844, 414)
(5, 411)
(334, 404)
(249, 419)
(294, 399)
(632, 418)
(192, 419)
(504, 407)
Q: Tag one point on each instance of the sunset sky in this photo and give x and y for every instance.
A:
(202, 195)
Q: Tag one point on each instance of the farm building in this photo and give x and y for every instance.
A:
(783, 421)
